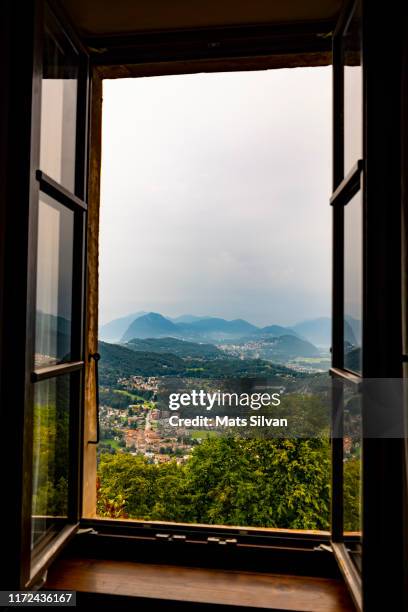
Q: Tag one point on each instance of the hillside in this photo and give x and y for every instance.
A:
(288, 346)
(352, 358)
(121, 362)
(53, 336)
(277, 330)
(355, 325)
(318, 331)
(175, 346)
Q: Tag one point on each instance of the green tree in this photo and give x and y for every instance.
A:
(352, 494)
(266, 483)
(228, 480)
(151, 492)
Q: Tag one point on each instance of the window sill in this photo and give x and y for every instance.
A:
(165, 585)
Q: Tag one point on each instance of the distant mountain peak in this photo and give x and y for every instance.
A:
(150, 325)
(112, 331)
(153, 315)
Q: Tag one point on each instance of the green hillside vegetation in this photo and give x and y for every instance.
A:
(51, 466)
(286, 347)
(118, 398)
(118, 361)
(181, 348)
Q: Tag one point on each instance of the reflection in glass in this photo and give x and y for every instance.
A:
(353, 92)
(352, 472)
(353, 283)
(58, 106)
(54, 282)
(50, 457)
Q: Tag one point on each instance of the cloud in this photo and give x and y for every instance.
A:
(215, 195)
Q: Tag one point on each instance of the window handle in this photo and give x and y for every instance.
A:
(96, 357)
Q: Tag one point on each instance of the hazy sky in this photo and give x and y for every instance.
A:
(215, 195)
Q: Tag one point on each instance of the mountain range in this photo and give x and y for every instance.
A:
(144, 325)
(213, 329)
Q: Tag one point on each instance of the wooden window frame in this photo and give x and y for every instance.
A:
(213, 50)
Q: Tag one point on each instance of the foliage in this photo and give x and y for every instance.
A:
(115, 398)
(151, 492)
(266, 483)
(228, 480)
(175, 346)
(352, 494)
(111, 506)
(50, 459)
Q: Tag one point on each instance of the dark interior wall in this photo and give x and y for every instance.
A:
(404, 236)
(17, 177)
(404, 188)
(5, 121)
(4, 136)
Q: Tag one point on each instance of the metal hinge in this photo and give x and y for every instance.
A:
(324, 547)
(222, 541)
(168, 537)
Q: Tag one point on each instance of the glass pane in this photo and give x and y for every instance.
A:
(353, 283)
(58, 106)
(353, 92)
(54, 282)
(50, 457)
(352, 472)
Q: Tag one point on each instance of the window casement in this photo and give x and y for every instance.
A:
(53, 337)
(366, 238)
